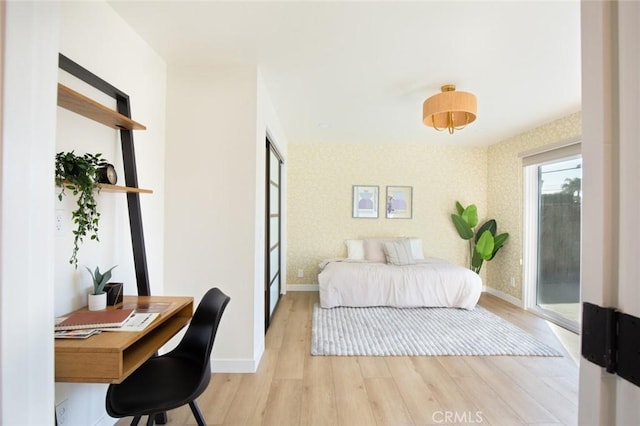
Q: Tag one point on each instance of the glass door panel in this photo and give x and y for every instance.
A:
(274, 231)
(553, 213)
(274, 266)
(275, 295)
(560, 201)
(272, 240)
(274, 199)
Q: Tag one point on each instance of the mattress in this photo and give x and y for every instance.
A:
(427, 283)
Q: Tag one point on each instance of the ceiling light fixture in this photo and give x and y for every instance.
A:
(449, 110)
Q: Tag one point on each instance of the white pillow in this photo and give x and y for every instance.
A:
(398, 252)
(374, 250)
(355, 249)
(416, 248)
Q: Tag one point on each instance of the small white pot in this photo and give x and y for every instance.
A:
(97, 302)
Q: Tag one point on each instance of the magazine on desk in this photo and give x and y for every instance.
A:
(136, 322)
(75, 334)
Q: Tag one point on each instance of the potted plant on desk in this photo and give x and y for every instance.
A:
(98, 299)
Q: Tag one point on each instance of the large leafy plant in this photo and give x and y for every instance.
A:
(484, 242)
(78, 174)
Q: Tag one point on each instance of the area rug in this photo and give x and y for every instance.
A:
(384, 331)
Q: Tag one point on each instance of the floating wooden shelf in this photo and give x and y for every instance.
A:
(87, 107)
(120, 188)
(80, 104)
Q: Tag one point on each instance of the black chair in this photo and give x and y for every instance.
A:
(176, 378)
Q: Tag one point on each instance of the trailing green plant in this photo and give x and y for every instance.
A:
(99, 280)
(484, 242)
(78, 174)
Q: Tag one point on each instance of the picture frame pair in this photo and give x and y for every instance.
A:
(398, 202)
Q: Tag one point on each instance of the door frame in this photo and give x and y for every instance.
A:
(610, 152)
(557, 152)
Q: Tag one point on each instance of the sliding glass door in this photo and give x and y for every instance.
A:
(552, 247)
(273, 246)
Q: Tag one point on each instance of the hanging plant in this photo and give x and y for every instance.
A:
(78, 174)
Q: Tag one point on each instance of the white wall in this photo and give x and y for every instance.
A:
(128, 63)
(216, 123)
(268, 124)
(26, 218)
(95, 37)
(32, 252)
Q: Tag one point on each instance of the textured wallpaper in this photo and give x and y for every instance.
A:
(319, 198)
(505, 196)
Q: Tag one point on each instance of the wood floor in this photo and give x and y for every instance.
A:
(291, 387)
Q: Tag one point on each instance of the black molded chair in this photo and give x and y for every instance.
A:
(176, 378)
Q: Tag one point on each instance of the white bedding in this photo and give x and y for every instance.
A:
(430, 283)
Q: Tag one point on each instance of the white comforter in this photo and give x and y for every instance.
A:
(431, 283)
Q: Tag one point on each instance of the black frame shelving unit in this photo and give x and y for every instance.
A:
(129, 161)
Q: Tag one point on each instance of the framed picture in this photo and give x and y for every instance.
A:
(365, 201)
(399, 202)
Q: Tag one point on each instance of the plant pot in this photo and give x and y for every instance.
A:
(114, 293)
(97, 302)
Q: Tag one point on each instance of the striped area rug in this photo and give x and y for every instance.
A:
(384, 331)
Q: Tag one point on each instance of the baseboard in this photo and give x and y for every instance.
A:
(504, 296)
(303, 287)
(234, 365)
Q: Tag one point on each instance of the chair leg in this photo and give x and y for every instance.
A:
(196, 413)
(135, 421)
(151, 420)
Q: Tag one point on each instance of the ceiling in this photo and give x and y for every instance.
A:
(359, 71)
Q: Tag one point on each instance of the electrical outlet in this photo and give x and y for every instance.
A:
(62, 412)
(59, 214)
(512, 281)
(300, 273)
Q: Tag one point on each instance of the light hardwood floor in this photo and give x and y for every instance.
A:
(291, 387)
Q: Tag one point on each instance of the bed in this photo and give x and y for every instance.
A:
(393, 272)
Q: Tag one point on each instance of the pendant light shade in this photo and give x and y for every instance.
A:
(449, 110)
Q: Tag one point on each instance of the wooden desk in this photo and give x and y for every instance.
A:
(111, 356)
